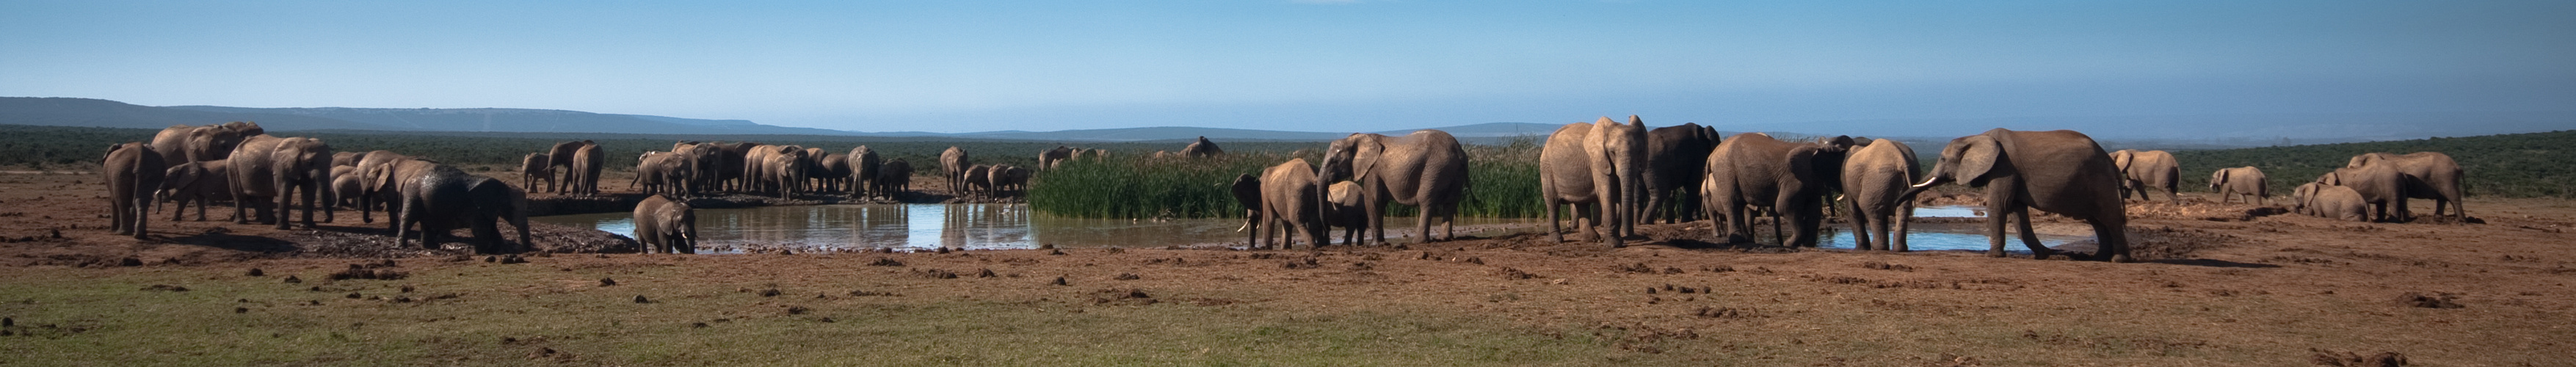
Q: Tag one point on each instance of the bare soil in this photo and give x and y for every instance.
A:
(2231, 284)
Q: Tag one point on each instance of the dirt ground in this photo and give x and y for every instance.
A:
(2221, 284)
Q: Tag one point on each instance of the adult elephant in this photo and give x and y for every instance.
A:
(653, 173)
(864, 164)
(532, 168)
(212, 142)
(834, 171)
(783, 169)
(1247, 191)
(2330, 202)
(952, 165)
(1754, 171)
(978, 182)
(1007, 178)
(1597, 168)
(893, 178)
(2057, 171)
(132, 172)
(172, 143)
(1291, 203)
(1426, 169)
(446, 198)
(2247, 180)
(2142, 170)
(1202, 148)
(347, 159)
(2429, 175)
(273, 167)
(1874, 180)
(587, 162)
(815, 172)
(1051, 157)
(200, 182)
(2379, 183)
(561, 155)
(1675, 156)
(665, 225)
(379, 190)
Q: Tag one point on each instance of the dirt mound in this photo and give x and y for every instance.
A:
(2194, 208)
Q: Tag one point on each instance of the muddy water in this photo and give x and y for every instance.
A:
(969, 226)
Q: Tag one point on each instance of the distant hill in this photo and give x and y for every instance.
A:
(2209, 131)
(105, 113)
(521, 120)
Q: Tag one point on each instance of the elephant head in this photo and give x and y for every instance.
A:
(213, 142)
(1247, 191)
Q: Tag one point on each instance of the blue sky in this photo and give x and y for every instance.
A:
(955, 66)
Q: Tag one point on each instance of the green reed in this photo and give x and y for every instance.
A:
(1502, 182)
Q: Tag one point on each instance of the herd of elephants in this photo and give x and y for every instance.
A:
(1611, 175)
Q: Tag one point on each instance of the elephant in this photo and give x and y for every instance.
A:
(979, 182)
(781, 168)
(2380, 184)
(445, 198)
(172, 143)
(2330, 202)
(132, 172)
(1102, 154)
(723, 171)
(375, 170)
(864, 164)
(273, 167)
(1426, 169)
(345, 183)
(2429, 175)
(1202, 148)
(2141, 170)
(756, 165)
(653, 172)
(665, 225)
(1247, 191)
(893, 178)
(1051, 157)
(816, 172)
(1874, 180)
(834, 171)
(1007, 178)
(1599, 169)
(2058, 171)
(202, 182)
(347, 159)
(535, 167)
(586, 165)
(1292, 203)
(561, 155)
(2247, 180)
(179, 144)
(1675, 156)
(1754, 171)
(1344, 209)
(691, 168)
(952, 165)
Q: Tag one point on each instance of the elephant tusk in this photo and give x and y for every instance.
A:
(1927, 183)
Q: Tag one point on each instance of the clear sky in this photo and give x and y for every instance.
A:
(956, 66)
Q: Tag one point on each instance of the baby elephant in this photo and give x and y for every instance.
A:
(202, 182)
(2247, 180)
(2330, 202)
(664, 225)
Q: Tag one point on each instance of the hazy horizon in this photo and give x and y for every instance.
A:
(1306, 65)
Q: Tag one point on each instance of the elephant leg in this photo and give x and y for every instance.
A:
(2021, 219)
(1861, 222)
(1555, 229)
(1995, 231)
(1904, 215)
(1376, 215)
(2113, 239)
(487, 234)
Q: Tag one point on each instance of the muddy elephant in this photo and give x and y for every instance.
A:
(535, 167)
(952, 166)
(2247, 181)
(1247, 191)
(1874, 180)
(1291, 204)
(561, 155)
(375, 171)
(1675, 158)
(666, 225)
(2142, 170)
(864, 164)
(1426, 169)
(1753, 171)
(2330, 202)
(2058, 171)
(2429, 175)
(132, 172)
(446, 198)
(1049, 158)
(1202, 148)
(200, 182)
(2380, 184)
(266, 167)
(1598, 169)
(895, 177)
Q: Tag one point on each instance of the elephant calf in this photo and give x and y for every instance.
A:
(536, 167)
(201, 182)
(1344, 209)
(2247, 180)
(2330, 202)
(664, 225)
(1291, 198)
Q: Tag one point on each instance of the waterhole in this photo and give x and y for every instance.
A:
(968, 226)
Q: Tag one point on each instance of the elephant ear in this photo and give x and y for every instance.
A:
(1979, 159)
(2331, 179)
(2121, 159)
(1364, 158)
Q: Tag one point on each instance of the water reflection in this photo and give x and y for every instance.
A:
(968, 226)
(1946, 236)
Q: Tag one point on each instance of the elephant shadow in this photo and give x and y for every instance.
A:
(1750, 247)
(2215, 263)
(227, 240)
